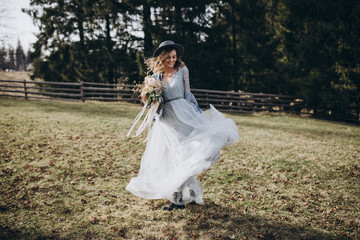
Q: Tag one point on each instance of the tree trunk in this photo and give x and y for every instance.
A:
(81, 33)
(110, 65)
(234, 49)
(148, 46)
(178, 19)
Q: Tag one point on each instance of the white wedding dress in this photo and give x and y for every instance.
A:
(182, 143)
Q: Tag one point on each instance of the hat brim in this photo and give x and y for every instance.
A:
(179, 49)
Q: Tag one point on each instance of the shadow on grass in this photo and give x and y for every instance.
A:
(15, 234)
(223, 223)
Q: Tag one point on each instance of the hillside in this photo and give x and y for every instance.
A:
(15, 76)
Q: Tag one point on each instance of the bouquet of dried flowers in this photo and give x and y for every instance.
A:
(151, 91)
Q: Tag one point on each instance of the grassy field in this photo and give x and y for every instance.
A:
(64, 167)
(20, 76)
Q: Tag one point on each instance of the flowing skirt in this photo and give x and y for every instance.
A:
(181, 145)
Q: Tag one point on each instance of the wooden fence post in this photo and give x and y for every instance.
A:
(25, 90)
(82, 97)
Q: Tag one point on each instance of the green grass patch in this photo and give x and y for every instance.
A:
(64, 167)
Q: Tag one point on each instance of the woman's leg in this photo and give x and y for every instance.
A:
(191, 191)
(177, 202)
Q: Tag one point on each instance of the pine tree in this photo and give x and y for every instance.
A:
(84, 40)
(20, 58)
(11, 61)
(322, 49)
(3, 58)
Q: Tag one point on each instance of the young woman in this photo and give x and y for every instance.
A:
(184, 141)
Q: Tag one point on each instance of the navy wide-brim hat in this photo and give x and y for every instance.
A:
(169, 44)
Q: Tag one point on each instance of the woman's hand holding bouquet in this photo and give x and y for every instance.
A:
(151, 91)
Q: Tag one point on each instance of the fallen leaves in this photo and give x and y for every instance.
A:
(73, 167)
(121, 232)
(94, 219)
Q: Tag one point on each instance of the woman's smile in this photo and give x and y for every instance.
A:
(171, 59)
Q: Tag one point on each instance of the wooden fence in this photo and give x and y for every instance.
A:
(236, 102)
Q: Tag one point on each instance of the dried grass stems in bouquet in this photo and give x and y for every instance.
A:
(151, 91)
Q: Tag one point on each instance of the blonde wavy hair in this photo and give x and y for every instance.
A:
(156, 64)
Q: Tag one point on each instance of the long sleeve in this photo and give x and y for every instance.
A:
(186, 81)
(188, 95)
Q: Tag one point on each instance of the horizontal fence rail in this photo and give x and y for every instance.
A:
(240, 102)
(227, 101)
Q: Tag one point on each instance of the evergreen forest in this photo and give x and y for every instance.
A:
(13, 59)
(305, 48)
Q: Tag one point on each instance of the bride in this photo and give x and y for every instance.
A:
(184, 141)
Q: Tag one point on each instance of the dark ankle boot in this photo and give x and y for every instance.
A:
(172, 206)
(177, 202)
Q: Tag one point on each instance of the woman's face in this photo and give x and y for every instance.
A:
(171, 59)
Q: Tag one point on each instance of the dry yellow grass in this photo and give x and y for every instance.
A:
(64, 167)
(20, 76)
